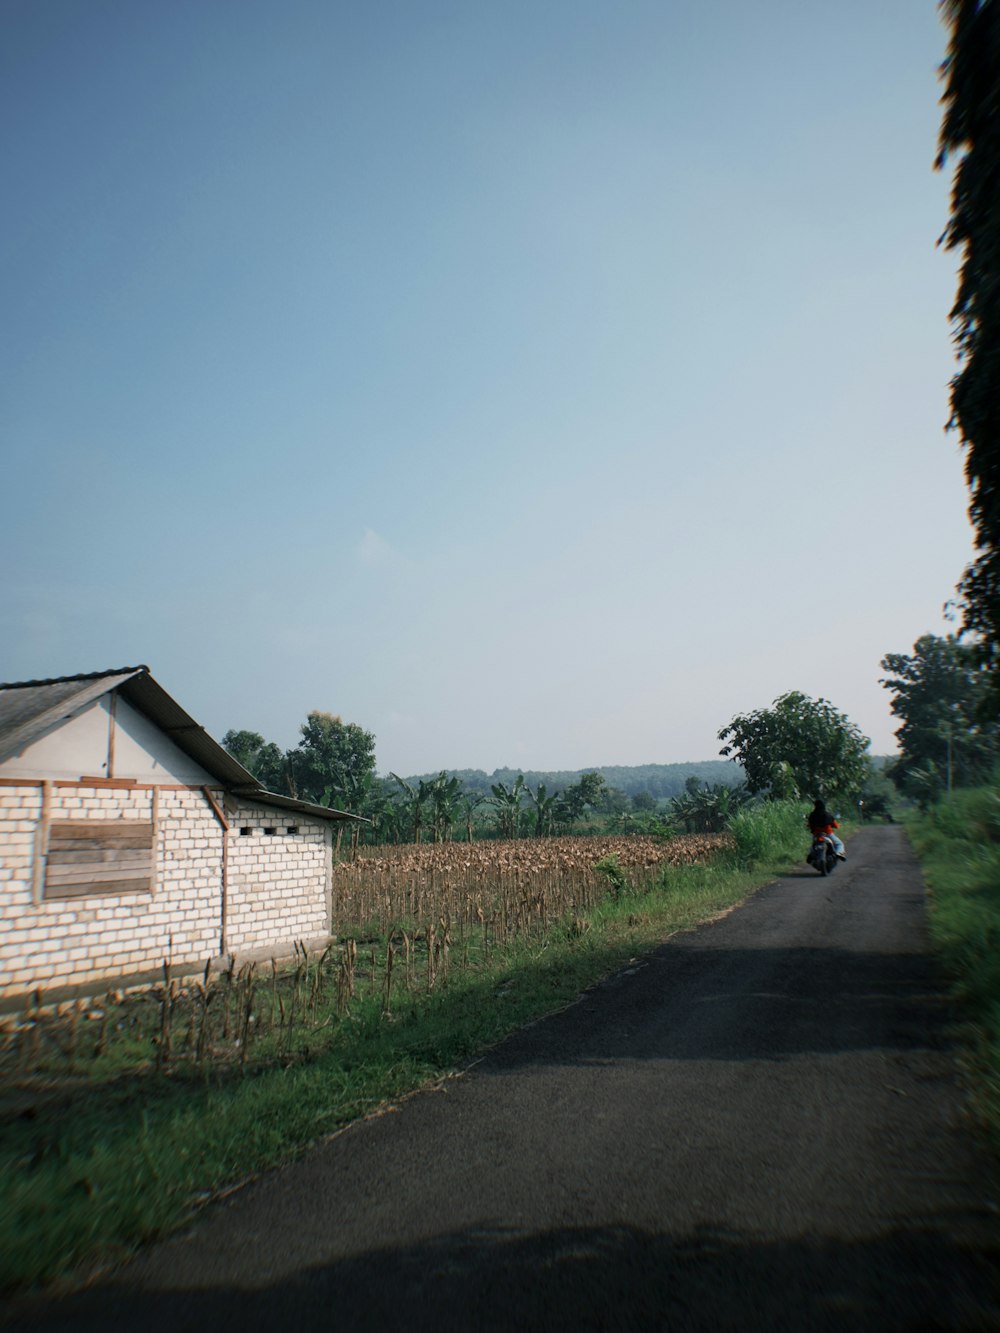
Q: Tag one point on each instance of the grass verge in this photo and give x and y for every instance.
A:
(958, 843)
(92, 1166)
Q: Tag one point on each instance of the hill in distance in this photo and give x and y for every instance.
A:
(660, 780)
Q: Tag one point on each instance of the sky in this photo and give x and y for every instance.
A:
(535, 384)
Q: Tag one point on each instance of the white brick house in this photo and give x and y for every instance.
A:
(128, 835)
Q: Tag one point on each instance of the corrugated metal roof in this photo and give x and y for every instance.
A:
(152, 700)
(30, 708)
(290, 803)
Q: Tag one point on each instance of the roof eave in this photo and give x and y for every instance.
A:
(264, 797)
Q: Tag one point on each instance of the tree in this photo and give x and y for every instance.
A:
(469, 801)
(798, 747)
(506, 801)
(575, 799)
(415, 799)
(707, 808)
(970, 129)
(938, 692)
(544, 809)
(381, 808)
(445, 793)
(334, 761)
(614, 801)
(263, 759)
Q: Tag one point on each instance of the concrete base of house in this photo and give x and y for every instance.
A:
(181, 971)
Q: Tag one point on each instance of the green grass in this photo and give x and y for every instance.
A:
(99, 1161)
(958, 843)
(769, 833)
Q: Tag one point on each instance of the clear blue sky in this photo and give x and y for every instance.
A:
(536, 384)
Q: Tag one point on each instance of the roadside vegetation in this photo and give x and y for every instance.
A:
(958, 842)
(123, 1114)
(122, 1118)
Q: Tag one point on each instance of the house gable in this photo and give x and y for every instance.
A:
(109, 730)
(129, 836)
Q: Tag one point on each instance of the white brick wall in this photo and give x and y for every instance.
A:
(276, 894)
(59, 943)
(276, 882)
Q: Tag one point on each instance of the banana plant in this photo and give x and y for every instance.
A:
(416, 799)
(470, 800)
(545, 806)
(506, 801)
(444, 796)
(707, 809)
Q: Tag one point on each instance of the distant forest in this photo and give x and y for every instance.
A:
(334, 765)
(661, 781)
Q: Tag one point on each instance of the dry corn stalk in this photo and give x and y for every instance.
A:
(503, 888)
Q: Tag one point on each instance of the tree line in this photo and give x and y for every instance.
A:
(638, 781)
(799, 748)
(949, 736)
(333, 765)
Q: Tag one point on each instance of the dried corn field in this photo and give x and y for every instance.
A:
(501, 889)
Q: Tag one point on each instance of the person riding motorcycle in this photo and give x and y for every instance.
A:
(822, 823)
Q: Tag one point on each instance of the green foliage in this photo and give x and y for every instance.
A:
(333, 764)
(506, 801)
(799, 747)
(265, 760)
(545, 806)
(386, 814)
(705, 809)
(613, 801)
(469, 801)
(878, 797)
(939, 691)
(660, 781)
(415, 799)
(609, 867)
(334, 761)
(445, 796)
(971, 130)
(574, 801)
(958, 842)
(771, 830)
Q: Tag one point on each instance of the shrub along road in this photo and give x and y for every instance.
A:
(758, 1126)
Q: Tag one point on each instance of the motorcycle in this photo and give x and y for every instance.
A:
(822, 856)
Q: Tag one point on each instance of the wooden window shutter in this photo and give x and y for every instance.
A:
(99, 856)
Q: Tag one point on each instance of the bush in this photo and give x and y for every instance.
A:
(610, 868)
(771, 831)
(958, 842)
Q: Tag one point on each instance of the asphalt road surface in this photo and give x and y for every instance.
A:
(760, 1126)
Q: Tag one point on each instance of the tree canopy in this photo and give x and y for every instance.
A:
(707, 809)
(263, 759)
(798, 747)
(938, 692)
(334, 761)
(970, 130)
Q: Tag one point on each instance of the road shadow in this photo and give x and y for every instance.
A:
(574, 1278)
(739, 1004)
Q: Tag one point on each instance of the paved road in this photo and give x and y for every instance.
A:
(760, 1127)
